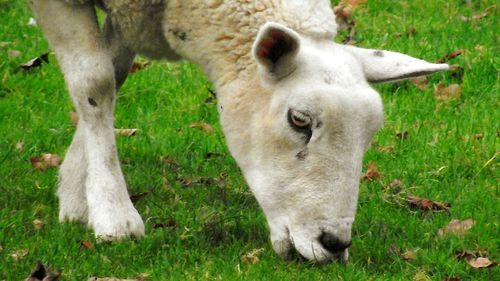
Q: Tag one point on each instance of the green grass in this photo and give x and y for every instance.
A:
(218, 222)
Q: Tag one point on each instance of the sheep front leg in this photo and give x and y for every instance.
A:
(91, 186)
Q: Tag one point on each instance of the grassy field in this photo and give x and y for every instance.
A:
(201, 218)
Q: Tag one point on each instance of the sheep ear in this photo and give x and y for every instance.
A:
(275, 49)
(385, 66)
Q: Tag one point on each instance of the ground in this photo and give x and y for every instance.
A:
(201, 219)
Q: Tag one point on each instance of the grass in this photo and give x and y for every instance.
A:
(218, 221)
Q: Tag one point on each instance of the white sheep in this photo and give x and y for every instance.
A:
(297, 109)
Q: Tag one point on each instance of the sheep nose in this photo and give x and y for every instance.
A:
(332, 243)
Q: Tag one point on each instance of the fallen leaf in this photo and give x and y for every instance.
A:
(35, 62)
(478, 136)
(448, 93)
(20, 145)
(86, 244)
(372, 172)
(450, 56)
(139, 65)
(478, 16)
(457, 227)
(421, 82)
(14, 54)
(481, 262)
(38, 224)
(171, 164)
(19, 254)
(207, 128)
(45, 161)
(427, 204)
(138, 196)
(42, 273)
(126, 132)
(409, 256)
(252, 257)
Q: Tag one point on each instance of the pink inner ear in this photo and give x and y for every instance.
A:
(273, 46)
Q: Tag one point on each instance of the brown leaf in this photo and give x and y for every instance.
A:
(409, 256)
(207, 128)
(14, 54)
(448, 93)
(450, 56)
(139, 65)
(42, 273)
(20, 145)
(45, 161)
(126, 132)
(427, 204)
(372, 172)
(478, 16)
(86, 244)
(38, 224)
(457, 227)
(421, 82)
(252, 257)
(481, 262)
(19, 254)
(35, 62)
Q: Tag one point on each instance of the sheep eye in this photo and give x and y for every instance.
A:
(300, 122)
(298, 119)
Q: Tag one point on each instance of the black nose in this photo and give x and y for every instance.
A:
(332, 243)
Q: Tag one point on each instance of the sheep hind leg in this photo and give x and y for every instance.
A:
(92, 162)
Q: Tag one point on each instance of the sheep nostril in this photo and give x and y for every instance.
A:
(332, 243)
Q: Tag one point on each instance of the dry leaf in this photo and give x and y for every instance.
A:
(207, 128)
(14, 54)
(427, 204)
(42, 273)
(38, 224)
(45, 161)
(20, 145)
(139, 65)
(478, 16)
(421, 82)
(450, 56)
(409, 256)
(35, 62)
(481, 262)
(372, 172)
(126, 132)
(448, 93)
(86, 244)
(252, 257)
(457, 227)
(19, 254)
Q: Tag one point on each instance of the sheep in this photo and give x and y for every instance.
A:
(297, 109)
